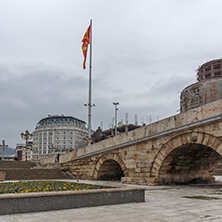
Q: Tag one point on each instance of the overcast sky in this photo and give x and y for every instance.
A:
(144, 53)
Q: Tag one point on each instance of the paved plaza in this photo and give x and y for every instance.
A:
(163, 203)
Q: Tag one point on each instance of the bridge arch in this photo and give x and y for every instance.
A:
(187, 158)
(110, 166)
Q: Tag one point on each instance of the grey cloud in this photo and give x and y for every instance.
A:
(144, 54)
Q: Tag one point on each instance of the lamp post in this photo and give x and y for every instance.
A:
(89, 120)
(52, 148)
(3, 147)
(26, 136)
(116, 108)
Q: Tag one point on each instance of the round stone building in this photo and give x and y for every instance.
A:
(208, 87)
(57, 134)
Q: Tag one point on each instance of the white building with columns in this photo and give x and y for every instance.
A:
(57, 134)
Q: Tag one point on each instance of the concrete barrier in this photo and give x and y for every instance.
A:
(37, 202)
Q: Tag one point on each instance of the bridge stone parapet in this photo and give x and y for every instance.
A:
(178, 149)
(153, 130)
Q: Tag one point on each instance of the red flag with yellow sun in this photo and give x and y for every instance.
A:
(85, 43)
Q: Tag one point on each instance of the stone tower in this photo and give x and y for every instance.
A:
(208, 87)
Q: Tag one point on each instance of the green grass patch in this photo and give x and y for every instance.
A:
(45, 186)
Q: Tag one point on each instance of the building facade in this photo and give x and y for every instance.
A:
(23, 154)
(208, 87)
(57, 134)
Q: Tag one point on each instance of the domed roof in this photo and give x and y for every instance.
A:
(61, 120)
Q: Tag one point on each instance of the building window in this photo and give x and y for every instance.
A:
(217, 73)
(208, 68)
(208, 75)
(218, 66)
(196, 91)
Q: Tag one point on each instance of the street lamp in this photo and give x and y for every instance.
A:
(26, 136)
(52, 148)
(116, 108)
(89, 121)
(3, 147)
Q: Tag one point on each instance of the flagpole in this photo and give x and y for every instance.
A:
(90, 83)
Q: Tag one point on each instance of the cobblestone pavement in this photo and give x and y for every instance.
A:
(163, 203)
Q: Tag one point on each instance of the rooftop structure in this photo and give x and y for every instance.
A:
(206, 90)
(209, 70)
(61, 120)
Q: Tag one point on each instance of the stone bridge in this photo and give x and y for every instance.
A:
(180, 149)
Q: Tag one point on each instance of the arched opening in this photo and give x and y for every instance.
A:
(190, 163)
(110, 170)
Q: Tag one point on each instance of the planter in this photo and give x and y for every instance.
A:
(37, 202)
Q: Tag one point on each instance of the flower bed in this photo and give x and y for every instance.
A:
(45, 186)
(37, 196)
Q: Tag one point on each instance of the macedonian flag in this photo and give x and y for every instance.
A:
(85, 43)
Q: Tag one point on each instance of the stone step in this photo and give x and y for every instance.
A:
(16, 164)
(25, 170)
(34, 174)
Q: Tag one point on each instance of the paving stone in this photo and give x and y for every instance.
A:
(163, 204)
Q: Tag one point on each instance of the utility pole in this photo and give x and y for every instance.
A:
(116, 108)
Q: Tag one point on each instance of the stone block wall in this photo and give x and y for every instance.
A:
(153, 160)
(203, 112)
